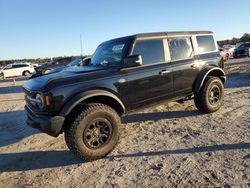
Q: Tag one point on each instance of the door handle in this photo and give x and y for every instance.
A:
(164, 72)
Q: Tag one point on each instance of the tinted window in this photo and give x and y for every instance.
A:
(180, 48)
(247, 45)
(20, 65)
(151, 51)
(206, 43)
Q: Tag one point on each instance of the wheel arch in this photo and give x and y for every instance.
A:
(24, 71)
(208, 71)
(94, 96)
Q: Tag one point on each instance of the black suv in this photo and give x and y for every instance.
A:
(124, 75)
(242, 50)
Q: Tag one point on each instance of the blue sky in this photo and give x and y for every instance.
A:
(31, 29)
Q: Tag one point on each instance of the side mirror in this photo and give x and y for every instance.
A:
(133, 61)
(221, 49)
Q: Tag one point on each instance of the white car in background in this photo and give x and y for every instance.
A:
(18, 69)
(1, 70)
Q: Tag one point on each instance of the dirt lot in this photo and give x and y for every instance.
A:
(172, 145)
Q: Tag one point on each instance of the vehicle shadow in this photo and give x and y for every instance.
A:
(33, 160)
(11, 89)
(202, 149)
(235, 80)
(247, 156)
(13, 127)
(154, 116)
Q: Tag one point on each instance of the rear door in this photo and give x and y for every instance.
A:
(183, 64)
(151, 82)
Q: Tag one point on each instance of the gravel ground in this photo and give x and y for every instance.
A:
(172, 145)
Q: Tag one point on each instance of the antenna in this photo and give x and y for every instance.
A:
(81, 43)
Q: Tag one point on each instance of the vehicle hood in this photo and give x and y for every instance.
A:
(66, 76)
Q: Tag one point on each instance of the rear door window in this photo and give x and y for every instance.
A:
(180, 48)
(151, 51)
(205, 43)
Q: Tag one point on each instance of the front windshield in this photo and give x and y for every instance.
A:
(74, 63)
(110, 53)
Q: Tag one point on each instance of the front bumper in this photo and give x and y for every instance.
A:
(46, 124)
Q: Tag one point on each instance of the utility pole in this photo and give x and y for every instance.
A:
(81, 43)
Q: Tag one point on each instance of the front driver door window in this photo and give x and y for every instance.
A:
(152, 81)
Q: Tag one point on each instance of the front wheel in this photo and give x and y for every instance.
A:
(93, 131)
(210, 97)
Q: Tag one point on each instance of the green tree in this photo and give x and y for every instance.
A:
(245, 37)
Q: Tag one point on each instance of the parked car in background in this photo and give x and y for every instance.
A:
(242, 50)
(75, 63)
(18, 69)
(46, 67)
(1, 70)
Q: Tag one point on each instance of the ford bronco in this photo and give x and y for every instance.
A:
(124, 74)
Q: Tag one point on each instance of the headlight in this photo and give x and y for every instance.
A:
(39, 101)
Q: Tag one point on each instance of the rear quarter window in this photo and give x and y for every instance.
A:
(206, 43)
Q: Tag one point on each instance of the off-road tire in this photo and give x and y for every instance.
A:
(80, 120)
(201, 98)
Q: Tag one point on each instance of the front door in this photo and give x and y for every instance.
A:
(151, 82)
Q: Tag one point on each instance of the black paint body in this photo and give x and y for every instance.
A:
(131, 87)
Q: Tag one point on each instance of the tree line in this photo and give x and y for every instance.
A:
(234, 40)
(39, 60)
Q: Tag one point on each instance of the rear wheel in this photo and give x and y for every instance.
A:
(210, 97)
(93, 131)
(26, 73)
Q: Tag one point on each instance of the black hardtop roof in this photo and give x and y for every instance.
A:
(172, 33)
(161, 34)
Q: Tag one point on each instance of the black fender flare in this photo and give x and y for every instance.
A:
(74, 101)
(208, 71)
